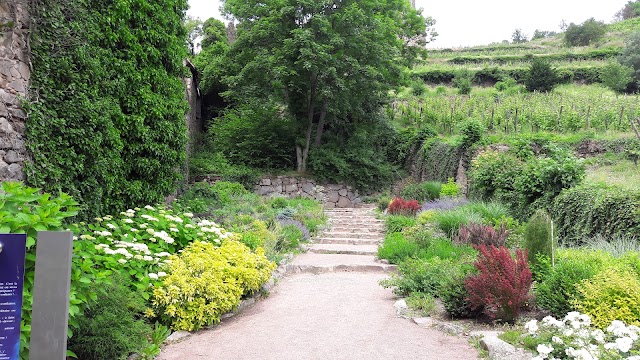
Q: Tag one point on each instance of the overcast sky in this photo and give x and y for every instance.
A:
(472, 22)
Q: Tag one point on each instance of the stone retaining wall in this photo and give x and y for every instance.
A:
(14, 83)
(332, 195)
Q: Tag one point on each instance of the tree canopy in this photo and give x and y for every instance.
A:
(324, 62)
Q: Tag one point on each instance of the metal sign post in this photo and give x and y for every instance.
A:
(12, 255)
(50, 315)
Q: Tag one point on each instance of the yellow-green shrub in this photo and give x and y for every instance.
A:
(613, 294)
(206, 281)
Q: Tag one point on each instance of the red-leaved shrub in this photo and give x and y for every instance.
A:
(501, 287)
(478, 234)
(400, 206)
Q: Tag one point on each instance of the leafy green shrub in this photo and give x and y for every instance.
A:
(557, 289)
(524, 185)
(425, 191)
(108, 127)
(279, 203)
(462, 82)
(450, 189)
(359, 161)
(616, 76)
(450, 221)
(472, 132)
(538, 236)
(420, 275)
(206, 281)
(424, 303)
(383, 202)
(584, 34)
(613, 294)
(111, 327)
(396, 248)
(541, 76)
(254, 234)
(215, 163)
(592, 210)
(289, 238)
(492, 175)
(256, 135)
(631, 54)
(397, 223)
(455, 297)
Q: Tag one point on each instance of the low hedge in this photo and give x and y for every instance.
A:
(599, 54)
(590, 210)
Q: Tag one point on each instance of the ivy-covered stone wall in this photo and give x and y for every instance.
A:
(15, 74)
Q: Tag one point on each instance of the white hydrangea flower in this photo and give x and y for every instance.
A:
(122, 261)
(544, 350)
(531, 326)
(557, 340)
(624, 344)
(153, 276)
(188, 214)
(147, 258)
(149, 207)
(128, 221)
(174, 229)
(162, 274)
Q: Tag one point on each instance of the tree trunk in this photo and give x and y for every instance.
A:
(321, 122)
(311, 107)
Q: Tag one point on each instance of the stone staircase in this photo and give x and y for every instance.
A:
(351, 244)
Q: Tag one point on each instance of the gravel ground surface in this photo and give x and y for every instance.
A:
(342, 315)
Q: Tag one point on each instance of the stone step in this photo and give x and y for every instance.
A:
(323, 263)
(353, 235)
(345, 241)
(359, 229)
(357, 221)
(355, 218)
(344, 249)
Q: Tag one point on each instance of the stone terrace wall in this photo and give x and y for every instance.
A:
(332, 195)
(14, 82)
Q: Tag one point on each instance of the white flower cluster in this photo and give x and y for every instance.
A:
(207, 226)
(576, 339)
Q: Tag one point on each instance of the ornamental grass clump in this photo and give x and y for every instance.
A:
(206, 281)
(501, 287)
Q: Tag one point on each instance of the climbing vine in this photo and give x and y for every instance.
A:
(106, 117)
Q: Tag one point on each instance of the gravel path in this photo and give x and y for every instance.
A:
(340, 314)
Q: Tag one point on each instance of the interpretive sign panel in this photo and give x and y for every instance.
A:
(12, 253)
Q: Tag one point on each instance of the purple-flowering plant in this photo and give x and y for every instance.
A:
(443, 204)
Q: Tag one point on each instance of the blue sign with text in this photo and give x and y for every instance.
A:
(12, 254)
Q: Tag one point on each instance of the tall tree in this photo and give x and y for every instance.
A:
(324, 60)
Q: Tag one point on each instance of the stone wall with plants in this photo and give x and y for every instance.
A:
(107, 110)
(15, 74)
(332, 195)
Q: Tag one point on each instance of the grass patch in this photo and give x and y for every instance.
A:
(622, 173)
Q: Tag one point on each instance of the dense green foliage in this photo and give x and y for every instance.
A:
(616, 76)
(537, 236)
(584, 34)
(524, 181)
(589, 210)
(425, 191)
(631, 55)
(304, 55)
(106, 120)
(541, 77)
(113, 326)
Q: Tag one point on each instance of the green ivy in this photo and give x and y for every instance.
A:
(106, 117)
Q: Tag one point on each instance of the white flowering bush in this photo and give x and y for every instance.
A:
(139, 241)
(575, 337)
